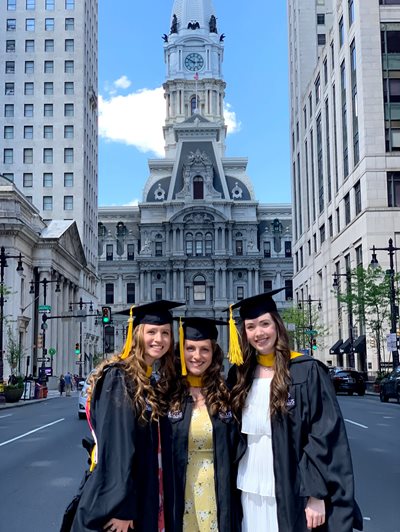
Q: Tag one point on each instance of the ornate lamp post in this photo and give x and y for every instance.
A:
(311, 332)
(349, 311)
(3, 264)
(82, 315)
(392, 292)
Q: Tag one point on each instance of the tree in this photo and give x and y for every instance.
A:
(14, 351)
(298, 325)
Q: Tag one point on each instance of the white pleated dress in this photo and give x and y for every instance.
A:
(256, 471)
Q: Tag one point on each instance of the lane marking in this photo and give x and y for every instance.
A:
(354, 423)
(5, 415)
(31, 432)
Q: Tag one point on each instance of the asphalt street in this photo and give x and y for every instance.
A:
(42, 462)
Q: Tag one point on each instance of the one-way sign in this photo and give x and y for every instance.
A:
(43, 359)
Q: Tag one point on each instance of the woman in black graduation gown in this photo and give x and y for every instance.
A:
(122, 491)
(202, 438)
(297, 472)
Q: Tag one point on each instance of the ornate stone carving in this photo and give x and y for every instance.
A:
(237, 192)
(159, 193)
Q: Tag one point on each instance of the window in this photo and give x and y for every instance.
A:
(198, 191)
(338, 220)
(28, 109)
(28, 132)
(69, 24)
(209, 244)
(47, 132)
(69, 87)
(47, 203)
(317, 87)
(68, 203)
(189, 244)
(10, 67)
(288, 248)
(320, 19)
(330, 225)
(29, 88)
(198, 242)
(130, 293)
(130, 250)
(27, 179)
(194, 104)
(347, 209)
(48, 109)
(351, 12)
(29, 67)
(288, 290)
(68, 179)
(68, 155)
(29, 24)
(48, 155)
(158, 249)
(110, 293)
(48, 88)
(68, 132)
(10, 45)
(267, 285)
(341, 32)
(9, 110)
(49, 5)
(29, 45)
(109, 252)
(68, 109)
(239, 293)
(11, 24)
(11, 5)
(49, 24)
(321, 39)
(199, 288)
(8, 132)
(30, 4)
(69, 4)
(325, 66)
(310, 108)
(9, 89)
(357, 197)
(344, 120)
(69, 45)
(239, 247)
(47, 179)
(158, 294)
(8, 156)
(267, 249)
(48, 67)
(49, 45)
(69, 67)
(393, 187)
(322, 235)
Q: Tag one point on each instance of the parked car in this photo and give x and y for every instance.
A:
(390, 386)
(84, 385)
(347, 380)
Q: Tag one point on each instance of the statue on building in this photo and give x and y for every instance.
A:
(222, 37)
(174, 24)
(194, 25)
(165, 37)
(213, 24)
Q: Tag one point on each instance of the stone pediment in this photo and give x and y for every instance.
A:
(67, 234)
(196, 119)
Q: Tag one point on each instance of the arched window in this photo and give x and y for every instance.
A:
(199, 288)
(209, 244)
(189, 244)
(193, 107)
(198, 188)
(199, 244)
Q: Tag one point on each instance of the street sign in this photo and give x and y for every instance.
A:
(78, 362)
(43, 359)
(44, 308)
(80, 315)
(311, 332)
(391, 342)
(52, 351)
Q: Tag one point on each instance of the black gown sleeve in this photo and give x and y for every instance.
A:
(110, 490)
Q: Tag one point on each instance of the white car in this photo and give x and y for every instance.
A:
(83, 399)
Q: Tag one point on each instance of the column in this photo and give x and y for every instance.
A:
(174, 282)
(249, 282)
(230, 285)
(141, 288)
(223, 284)
(256, 282)
(174, 240)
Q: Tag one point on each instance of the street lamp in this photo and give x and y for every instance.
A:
(3, 264)
(35, 285)
(311, 332)
(81, 315)
(392, 293)
(349, 311)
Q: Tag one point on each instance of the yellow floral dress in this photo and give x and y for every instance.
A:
(200, 505)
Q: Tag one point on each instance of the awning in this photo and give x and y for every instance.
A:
(334, 350)
(360, 344)
(345, 347)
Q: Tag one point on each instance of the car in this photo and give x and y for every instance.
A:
(347, 380)
(84, 385)
(390, 386)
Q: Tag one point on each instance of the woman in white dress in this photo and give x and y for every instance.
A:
(296, 473)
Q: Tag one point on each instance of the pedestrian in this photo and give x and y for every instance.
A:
(61, 384)
(122, 490)
(297, 472)
(68, 384)
(202, 445)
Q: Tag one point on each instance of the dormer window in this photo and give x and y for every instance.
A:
(198, 188)
(193, 106)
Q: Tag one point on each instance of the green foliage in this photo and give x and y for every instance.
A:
(299, 320)
(14, 350)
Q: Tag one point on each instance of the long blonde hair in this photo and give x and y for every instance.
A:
(138, 388)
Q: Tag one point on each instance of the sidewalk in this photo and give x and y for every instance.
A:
(51, 394)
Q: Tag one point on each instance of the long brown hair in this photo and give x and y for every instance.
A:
(138, 387)
(281, 379)
(215, 391)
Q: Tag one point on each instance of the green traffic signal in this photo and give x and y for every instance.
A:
(105, 315)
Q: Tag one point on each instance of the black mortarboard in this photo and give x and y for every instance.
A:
(198, 328)
(154, 313)
(254, 306)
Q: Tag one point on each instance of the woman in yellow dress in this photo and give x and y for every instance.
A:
(201, 439)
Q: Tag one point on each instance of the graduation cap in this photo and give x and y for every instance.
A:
(196, 329)
(154, 313)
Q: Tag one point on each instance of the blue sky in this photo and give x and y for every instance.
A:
(131, 73)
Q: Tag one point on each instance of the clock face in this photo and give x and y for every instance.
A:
(194, 62)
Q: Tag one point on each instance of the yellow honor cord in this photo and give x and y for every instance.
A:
(195, 382)
(149, 371)
(129, 336)
(266, 360)
(182, 348)
(235, 355)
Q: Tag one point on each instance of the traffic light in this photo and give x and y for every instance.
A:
(106, 315)
(77, 349)
(314, 344)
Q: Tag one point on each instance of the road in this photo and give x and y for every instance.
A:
(42, 461)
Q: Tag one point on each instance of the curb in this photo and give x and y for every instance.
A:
(33, 401)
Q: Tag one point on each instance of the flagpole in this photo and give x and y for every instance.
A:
(196, 77)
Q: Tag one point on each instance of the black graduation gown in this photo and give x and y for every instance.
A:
(124, 483)
(311, 453)
(228, 446)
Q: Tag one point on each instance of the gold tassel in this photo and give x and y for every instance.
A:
(235, 355)
(128, 343)
(182, 348)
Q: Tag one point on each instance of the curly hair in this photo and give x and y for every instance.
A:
(281, 379)
(137, 385)
(215, 390)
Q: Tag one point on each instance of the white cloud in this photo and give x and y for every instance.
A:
(133, 203)
(137, 119)
(122, 83)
